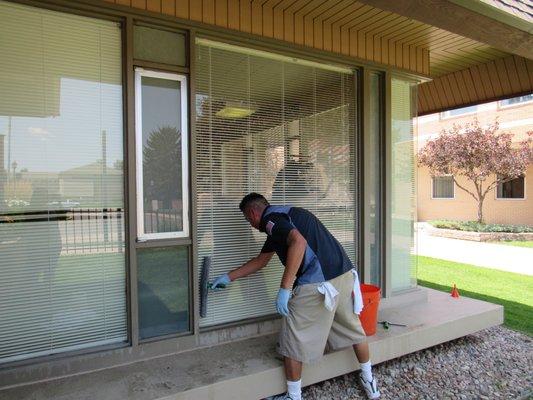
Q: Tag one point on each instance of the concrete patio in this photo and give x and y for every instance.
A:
(251, 369)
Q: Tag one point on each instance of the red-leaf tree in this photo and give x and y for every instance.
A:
(482, 155)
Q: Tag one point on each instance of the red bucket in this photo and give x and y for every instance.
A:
(369, 315)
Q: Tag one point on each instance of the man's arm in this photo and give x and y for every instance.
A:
(295, 254)
(254, 265)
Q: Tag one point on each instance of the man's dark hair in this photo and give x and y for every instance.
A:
(252, 199)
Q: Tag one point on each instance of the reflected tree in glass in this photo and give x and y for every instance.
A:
(162, 180)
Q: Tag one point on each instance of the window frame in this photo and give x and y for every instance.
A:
(183, 80)
(433, 187)
(511, 198)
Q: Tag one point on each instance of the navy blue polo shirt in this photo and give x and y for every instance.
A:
(324, 258)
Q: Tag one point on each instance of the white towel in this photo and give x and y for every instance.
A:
(357, 296)
(329, 292)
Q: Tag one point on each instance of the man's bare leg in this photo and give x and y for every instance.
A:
(366, 378)
(361, 352)
(293, 369)
(293, 373)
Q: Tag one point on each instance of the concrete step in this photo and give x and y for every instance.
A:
(251, 369)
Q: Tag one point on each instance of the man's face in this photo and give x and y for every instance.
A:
(253, 216)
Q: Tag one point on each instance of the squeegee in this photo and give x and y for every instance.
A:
(204, 285)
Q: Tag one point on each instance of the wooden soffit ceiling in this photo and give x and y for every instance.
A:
(436, 38)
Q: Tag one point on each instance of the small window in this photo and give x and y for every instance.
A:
(443, 187)
(163, 291)
(162, 162)
(516, 100)
(458, 111)
(159, 46)
(513, 189)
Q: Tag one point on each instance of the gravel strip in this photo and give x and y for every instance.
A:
(495, 363)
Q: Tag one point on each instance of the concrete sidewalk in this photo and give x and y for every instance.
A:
(490, 255)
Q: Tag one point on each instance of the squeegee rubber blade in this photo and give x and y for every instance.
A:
(204, 282)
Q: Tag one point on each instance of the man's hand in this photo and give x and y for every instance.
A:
(221, 282)
(282, 302)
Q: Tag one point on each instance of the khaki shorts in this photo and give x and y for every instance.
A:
(310, 326)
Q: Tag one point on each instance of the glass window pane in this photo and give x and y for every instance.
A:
(62, 263)
(163, 291)
(402, 189)
(517, 100)
(443, 187)
(513, 189)
(163, 197)
(157, 45)
(281, 128)
(459, 111)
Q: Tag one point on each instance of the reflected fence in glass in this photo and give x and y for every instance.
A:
(163, 220)
(80, 231)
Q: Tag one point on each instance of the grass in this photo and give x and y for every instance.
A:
(513, 291)
(518, 243)
(163, 273)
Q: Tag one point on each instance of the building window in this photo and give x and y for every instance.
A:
(458, 112)
(162, 162)
(275, 125)
(163, 290)
(513, 189)
(62, 239)
(516, 100)
(443, 187)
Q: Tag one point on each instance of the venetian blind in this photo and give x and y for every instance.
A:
(278, 126)
(402, 198)
(62, 264)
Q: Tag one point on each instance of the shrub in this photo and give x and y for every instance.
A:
(474, 226)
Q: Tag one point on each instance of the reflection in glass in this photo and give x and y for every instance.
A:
(61, 177)
(402, 206)
(163, 290)
(162, 155)
(297, 147)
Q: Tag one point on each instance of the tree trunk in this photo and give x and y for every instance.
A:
(480, 210)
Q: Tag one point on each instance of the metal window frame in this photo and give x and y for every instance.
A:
(141, 72)
(380, 198)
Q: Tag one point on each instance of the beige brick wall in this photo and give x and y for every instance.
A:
(517, 120)
(464, 207)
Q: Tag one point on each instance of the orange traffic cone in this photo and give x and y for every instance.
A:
(455, 292)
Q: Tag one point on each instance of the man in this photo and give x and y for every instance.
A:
(320, 277)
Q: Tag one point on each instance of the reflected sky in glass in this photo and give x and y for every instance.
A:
(72, 139)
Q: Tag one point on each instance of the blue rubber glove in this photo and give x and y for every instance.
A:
(221, 282)
(282, 301)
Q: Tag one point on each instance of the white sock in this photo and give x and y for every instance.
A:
(295, 389)
(366, 371)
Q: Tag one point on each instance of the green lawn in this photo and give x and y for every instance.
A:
(513, 291)
(519, 243)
